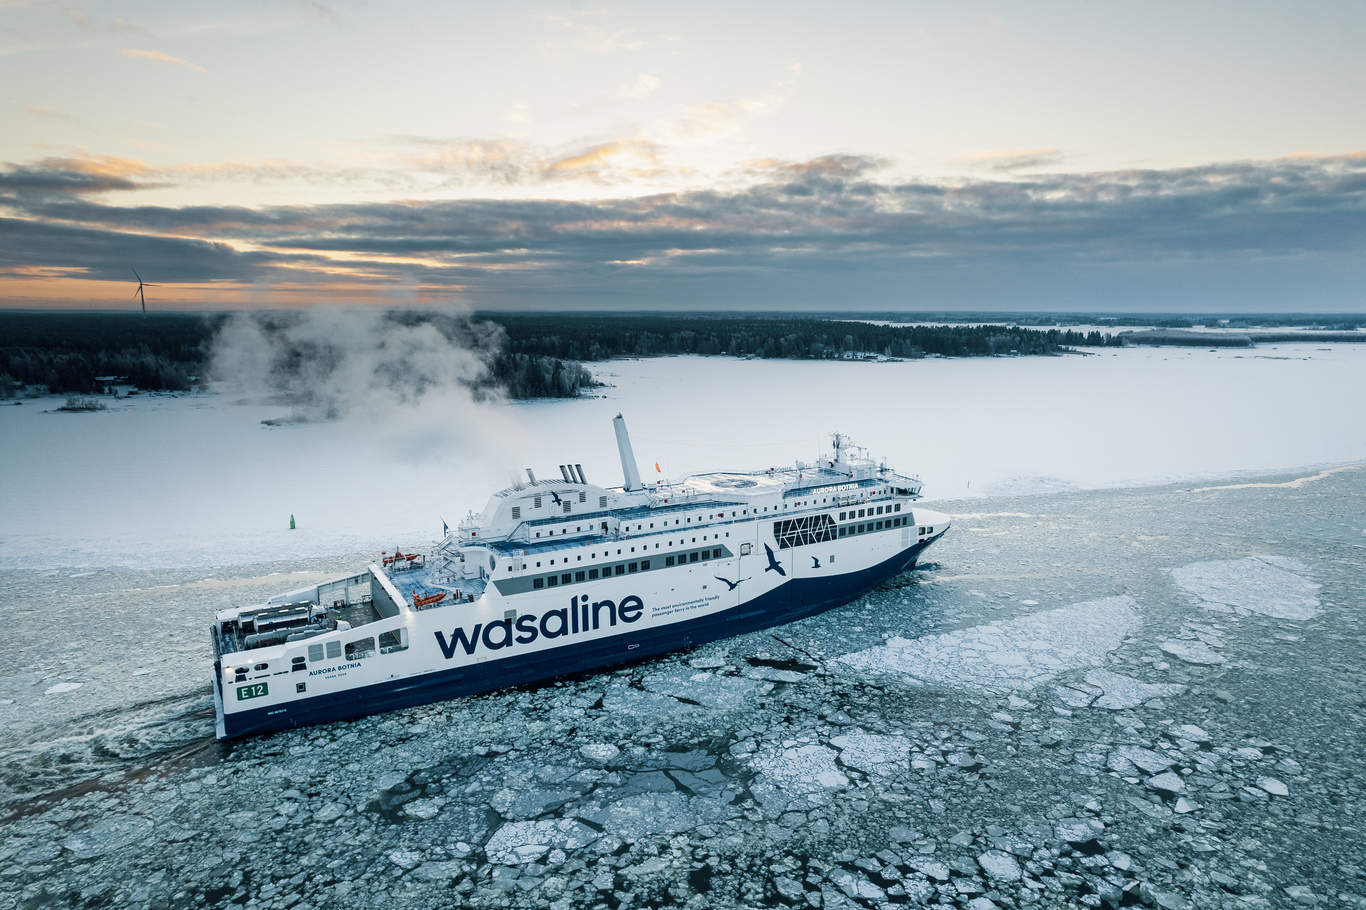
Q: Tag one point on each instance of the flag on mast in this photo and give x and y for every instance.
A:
(657, 468)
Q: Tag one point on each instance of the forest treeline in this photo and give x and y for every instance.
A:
(602, 337)
(534, 355)
(529, 356)
(88, 353)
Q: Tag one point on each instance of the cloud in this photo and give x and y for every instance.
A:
(588, 36)
(1010, 160)
(42, 110)
(84, 174)
(822, 232)
(714, 120)
(520, 113)
(160, 57)
(641, 90)
(635, 156)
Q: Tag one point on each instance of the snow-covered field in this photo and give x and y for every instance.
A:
(162, 481)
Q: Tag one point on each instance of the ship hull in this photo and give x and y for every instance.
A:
(794, 599)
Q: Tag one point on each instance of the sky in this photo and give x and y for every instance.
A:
(1125, 157)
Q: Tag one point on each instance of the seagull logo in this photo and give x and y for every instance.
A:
(733, 584)
(816, 563)
(555, 496)
(773, 563)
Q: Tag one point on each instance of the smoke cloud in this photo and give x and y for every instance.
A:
(420, 382)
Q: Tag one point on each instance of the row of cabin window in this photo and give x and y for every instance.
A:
(633, 549)
(849, 530)
(850, 514)
(389, 643)
(621, 568)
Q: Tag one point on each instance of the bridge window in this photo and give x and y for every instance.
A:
(552, 580)
(538, 582)
(363, 647)
(393, 642)
(564, 579)
(620, 569)
(592, 573)
(578, 576)
(334, 650)
(645, 565)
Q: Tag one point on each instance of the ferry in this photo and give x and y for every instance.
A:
(562, 576)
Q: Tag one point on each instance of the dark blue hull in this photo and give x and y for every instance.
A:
(797, 599)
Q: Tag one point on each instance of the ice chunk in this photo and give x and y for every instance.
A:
(1167, 781)
(527, 803)
(785, 776)
(525, 842)
(859, 887)
(1194, 733)
(63, 687)
(660, 813)
(623, 700)
(1271, 586)
(1273, 786)
(1002, 867)
(873, 754)
(108, 835)
(1124, 692)
(439, 873)
(1147, 759)
(1079, 830)
(406, 859)
(1192, 652)
(680, 691)
(1077, 698)
(1012, 654)
(599, 753)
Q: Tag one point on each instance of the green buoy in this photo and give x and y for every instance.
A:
(291, 522)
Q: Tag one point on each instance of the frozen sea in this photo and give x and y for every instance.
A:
(1130, 674)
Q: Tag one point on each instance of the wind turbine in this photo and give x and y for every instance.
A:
(139, 293)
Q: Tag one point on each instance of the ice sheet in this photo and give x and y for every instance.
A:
(165, 481)
(1265, 585)
(1009, 655)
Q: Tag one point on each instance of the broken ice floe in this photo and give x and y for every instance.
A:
(678, 691)
(1126, 758)
(659, 813)
(797, 777)
(1192, 652)
(108, 835)
(1104, 689)
(525, 842)
(873, 754)
(1013, 654)
(1268, 585)
(63, 687)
